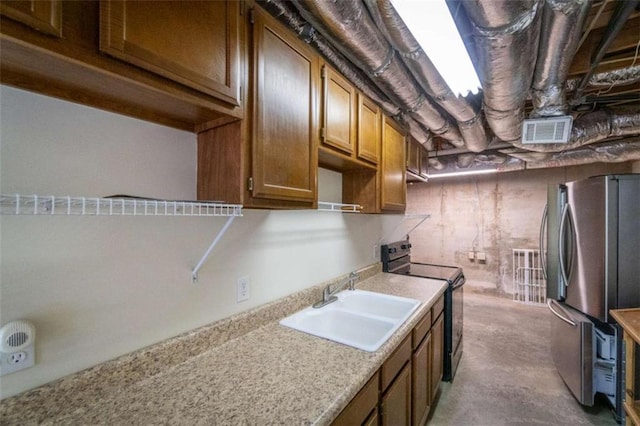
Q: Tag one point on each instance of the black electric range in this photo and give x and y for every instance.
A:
(396, 259)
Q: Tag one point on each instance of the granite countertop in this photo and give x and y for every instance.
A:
(269, 375)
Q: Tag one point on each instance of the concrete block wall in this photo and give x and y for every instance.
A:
(490, 214)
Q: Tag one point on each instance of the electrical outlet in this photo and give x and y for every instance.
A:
(376, 252)
(481, 256)
(242, 289)
(16, 361)
(471, 255)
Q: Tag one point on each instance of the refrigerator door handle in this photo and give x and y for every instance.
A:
(563, 221)
(543, 255)
(568, 321)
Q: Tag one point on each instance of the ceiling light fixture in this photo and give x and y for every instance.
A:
(465, 173)
(433, 27)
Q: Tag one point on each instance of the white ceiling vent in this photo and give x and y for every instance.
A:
(547, 130)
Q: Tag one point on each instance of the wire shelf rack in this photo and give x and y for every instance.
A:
(338, 207)
(121, 205)
(529, 284)
(111, 206)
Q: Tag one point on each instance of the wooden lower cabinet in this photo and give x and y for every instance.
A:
(421, 382)
(395, 408)
(363, 408)
(437, 333)
(403, 390)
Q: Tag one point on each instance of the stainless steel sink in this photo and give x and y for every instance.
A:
(361, 319)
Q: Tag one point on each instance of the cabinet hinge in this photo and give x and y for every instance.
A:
(323, 133)
(252, 17)
(323, 72)
(250, 184)
(241, 94)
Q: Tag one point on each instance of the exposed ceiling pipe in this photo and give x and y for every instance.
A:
(355, 33)
(609, 79)
(615, 152)
(612, 152)
(620, 16)
(506, 34)
(593, 127)
(562, 22)
(394, 29)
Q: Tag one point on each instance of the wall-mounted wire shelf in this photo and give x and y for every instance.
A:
(338, 207)
(111, 206)
(121, 205)
(419, 218)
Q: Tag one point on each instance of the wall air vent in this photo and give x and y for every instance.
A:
(547, 130)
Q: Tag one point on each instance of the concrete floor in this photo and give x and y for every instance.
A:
(506, 375)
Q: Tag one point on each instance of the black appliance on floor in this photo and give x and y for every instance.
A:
(396, 259)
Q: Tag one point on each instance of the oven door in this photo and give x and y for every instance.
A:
(398, 266)
(453, 327)
(457, 290)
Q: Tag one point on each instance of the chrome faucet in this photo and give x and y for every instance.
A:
(328, 295)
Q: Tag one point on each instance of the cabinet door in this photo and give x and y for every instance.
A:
(437, 333)
(393, 170)
(338, 112)
(42, 15)
(421, 382)
(424, 162)
(413, 156)
(195, 43)
(396, 403)
(363, 407)
(284, 136)
(369, 129)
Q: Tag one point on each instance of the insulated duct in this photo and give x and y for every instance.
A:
(349, 26)
(593, 127)
(621, 77)
(394, 29)
(615, 152)
(562, 22)
(506, 35)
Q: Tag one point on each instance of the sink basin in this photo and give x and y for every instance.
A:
(361, 319)
(371, 303)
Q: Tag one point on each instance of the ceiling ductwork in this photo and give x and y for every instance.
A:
(540, 58)
(593, 127)
(614, 152)
(353, 31)
(506, 35)
(467, 116)
(562, 21)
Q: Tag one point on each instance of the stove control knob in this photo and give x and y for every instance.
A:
(392, 250)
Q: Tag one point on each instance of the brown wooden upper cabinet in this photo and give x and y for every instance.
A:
(414, 150)
(369, 129)
(285, 73)
(43, 15)
(269, 159)
(424, 163)
(393, 168)
(338, 112)
(195, 43)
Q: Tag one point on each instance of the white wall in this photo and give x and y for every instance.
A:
(99, 287)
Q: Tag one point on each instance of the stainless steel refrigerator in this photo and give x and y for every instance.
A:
(592, 265)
